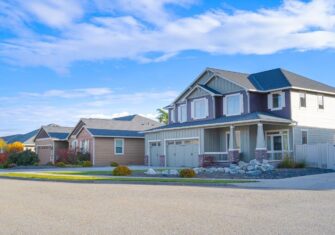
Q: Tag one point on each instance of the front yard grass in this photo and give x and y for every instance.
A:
(65, 176)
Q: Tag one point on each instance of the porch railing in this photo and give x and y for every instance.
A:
(218, 156)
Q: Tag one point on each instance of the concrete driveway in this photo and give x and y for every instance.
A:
(32, 207)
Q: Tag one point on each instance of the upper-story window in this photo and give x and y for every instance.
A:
(302, 100)
(182, 113)
(321, 102)
(173, 115)
(199, 108)
(276, 101)
(233, 105)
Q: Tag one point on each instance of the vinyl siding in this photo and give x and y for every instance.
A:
(315, 135)
(44, 150)
(198, 92)
(311, 116)
(224, 86)
(133, 152)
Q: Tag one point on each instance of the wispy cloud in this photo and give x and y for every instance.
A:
(146, 27)
(27, 111)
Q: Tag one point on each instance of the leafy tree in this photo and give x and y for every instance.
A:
(163, 116)
(3, 146)
(15, 147)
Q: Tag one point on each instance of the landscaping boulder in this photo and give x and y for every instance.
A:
(254, 173)
(150, 171)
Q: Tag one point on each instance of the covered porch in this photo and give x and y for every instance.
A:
(246, 141)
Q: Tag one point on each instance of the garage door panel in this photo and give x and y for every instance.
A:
(182, 153)
(155, 153)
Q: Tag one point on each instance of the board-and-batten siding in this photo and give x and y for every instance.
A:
(198, 92)
(133, 152)
(311, 116)
(314, 135)
(224, 86)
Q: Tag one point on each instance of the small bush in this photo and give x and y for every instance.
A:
(187, 173)
(290, 163)
(114, 164)
(25, 158)
(86, 164)
(83, 157)
(50, 164)
(66, 156)
(60, 164)
(121, 171)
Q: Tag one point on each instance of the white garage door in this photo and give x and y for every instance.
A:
(182, 153)
(154, 154)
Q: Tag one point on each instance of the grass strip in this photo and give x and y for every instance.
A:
(58, 177)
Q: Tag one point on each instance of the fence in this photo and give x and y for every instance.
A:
(316, 155)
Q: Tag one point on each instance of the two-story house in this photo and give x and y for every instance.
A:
(229, 116)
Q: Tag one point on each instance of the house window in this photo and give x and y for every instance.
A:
(276, 101)
(304, 137)
(173, 115)
(303, 100)
(277, 144)
(182, 113)
(84, 146)
(119, 146)
(199, 108)
(238, 140)
(233, 105)
(321, 102)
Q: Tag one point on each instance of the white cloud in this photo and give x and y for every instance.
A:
(27, 111)
(294, 25)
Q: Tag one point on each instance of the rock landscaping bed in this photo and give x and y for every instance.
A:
(252, 170)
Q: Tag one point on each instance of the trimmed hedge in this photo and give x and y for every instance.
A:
(187, 173)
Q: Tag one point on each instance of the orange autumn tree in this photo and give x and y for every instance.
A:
(15, 147)
(3, 146)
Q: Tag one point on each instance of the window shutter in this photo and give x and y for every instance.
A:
(192, 109)
(269, 101)
(283, 99)
(206, 108)
(224, 102)
(241, 103)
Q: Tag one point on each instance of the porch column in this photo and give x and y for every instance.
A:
(261, 150)
(233, 152)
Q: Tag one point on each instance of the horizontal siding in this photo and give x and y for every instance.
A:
(44, 150)
(133, 152)
(311, 116)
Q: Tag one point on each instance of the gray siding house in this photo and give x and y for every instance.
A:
(226, 116)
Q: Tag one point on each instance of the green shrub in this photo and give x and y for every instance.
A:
(60, 164)
(86, 164)
(25, 158)
(187, 173)
(121, 171)
(83, 157)
(114, 164)
(290, 163)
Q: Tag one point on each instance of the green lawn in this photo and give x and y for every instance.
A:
(82, 176)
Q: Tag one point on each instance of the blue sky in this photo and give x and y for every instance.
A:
(62, 60)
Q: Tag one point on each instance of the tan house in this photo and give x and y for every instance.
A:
(49, 141)
(112, 140)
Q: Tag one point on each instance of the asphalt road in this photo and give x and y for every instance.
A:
(30, 207)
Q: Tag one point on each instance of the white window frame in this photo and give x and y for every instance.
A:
(115, 140)
(181, 118)
(282, 101)
(305, 94)
(227, 139)
(304, 130)
(323, 102)
(193, 108)
(225, 104)
(281, 133)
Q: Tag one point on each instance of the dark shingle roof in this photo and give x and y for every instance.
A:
(210, 89)
(125, 118)
(58, 135)
(225, 120)
(115, 133)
